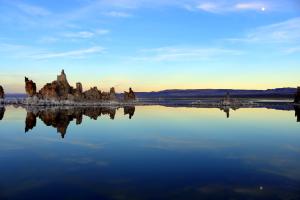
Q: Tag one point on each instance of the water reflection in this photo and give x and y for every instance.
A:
(226, 109)
(2, 111)
(297, 113)
(162, 153)
(60, 118)
(129, 110)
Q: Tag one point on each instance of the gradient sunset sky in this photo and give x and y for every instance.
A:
(151, 45)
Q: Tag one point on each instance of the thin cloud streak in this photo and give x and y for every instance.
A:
(86, 34)
(117, 14)
(221, 7)
(32, 9)
(186, 54)
(74, 53)
(292, 50)
(283, 32)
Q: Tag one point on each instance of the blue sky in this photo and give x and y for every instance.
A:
(151, 44)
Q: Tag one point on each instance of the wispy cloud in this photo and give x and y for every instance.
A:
(186, 53)
(48, 40)
(222, 7)
(292, 50)
(86, 34)
(32, 9)
(36, 53)
(282, 32)
(117, 14)
(73, 53)
(209, 7)
(251, 6)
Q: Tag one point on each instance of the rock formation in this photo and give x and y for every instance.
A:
(93, 94)
(30, 87)
(297, 96)
(60, 90)
(63, 87)
(49, 91)
(57, 90)
(112, 94)
(109, 96)
(129, 96)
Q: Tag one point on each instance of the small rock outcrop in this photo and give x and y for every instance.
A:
(30, 87)
(2, 95)
(226, 100)
(129, 96)
(109, 96)
(297, 96)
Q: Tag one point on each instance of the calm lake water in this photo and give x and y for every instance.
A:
(160, 153)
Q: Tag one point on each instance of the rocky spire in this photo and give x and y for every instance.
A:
(79, 87)
(112, 94)
(62, 77)
(64, 87)
(1, 92)
(30, 87)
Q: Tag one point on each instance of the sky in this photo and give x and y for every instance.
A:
(151, 45)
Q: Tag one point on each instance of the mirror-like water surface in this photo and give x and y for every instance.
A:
(149, 152)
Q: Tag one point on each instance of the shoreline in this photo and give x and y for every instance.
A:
(207, 102)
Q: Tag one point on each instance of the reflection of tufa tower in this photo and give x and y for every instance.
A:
(297, 96)
(297, 113)
(2, 111)
(226, 109)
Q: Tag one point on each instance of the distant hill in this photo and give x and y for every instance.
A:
(15, 95)
(205, 93)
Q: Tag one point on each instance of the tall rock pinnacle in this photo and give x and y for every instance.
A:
(30, 87)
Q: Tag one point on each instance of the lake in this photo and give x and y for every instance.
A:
(149, 152)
